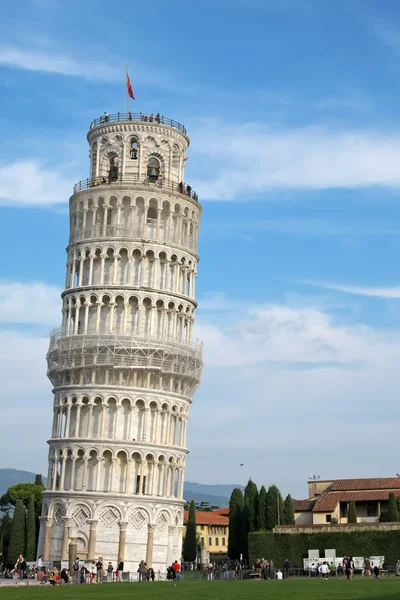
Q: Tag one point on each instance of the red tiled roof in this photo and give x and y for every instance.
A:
(221, 511)
(372, 483)
(329, 500)
(302, 505)
(204, 517)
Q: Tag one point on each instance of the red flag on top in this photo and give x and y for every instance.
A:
(129, 86)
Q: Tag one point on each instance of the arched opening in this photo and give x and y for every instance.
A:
(113, 168)
(153, 169)
(134, 149)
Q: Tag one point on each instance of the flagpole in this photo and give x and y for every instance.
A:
(127, 94)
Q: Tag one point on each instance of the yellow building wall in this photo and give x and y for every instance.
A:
(213, 531)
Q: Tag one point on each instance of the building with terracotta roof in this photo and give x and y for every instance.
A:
(328, 501)
(212, 531)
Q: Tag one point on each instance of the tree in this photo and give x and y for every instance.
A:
(189, 544)
(274, 513)
(17, 536)
(251, 495)
(30, 551)
(288, 511)
(5, 528)
(393, 512)
(352, 515)
(21, 491)
(38, 480)
(235, 540)
(262, 508)
(250, 513)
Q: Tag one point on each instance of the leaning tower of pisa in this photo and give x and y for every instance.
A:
(124, 365)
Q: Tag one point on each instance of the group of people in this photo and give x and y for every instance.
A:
(97, 571)
(346, 567)
(174, 571)
(266, 569)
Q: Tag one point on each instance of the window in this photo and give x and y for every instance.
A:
(224, 541)
(202, 542)
(210, 541)
(134, 149)
(328, 518)
(202, 527)
(153, 169)
(217, 541)
(343, 510)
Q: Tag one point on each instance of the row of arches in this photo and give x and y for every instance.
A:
(133, 315)
(132, 153)
(140, 217)
(71, 375)
(120, 420)
(124, 266)
(123, 472)
(60, 508)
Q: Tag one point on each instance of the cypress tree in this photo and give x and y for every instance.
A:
(288, 511)
(17, 536)
(189, 544)
(38, 480)
(352, 515)
(393, 512)
(235, 540)
(6, 523)
(274, 511)
(262, 508)
(30, 550)
(251, 495)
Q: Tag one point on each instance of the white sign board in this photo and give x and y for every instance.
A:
(313, 555)
(377, 561)
(330, 554)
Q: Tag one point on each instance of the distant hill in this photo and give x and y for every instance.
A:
(9, 477)
(217, 495)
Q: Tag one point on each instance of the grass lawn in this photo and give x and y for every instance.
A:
(296, 589)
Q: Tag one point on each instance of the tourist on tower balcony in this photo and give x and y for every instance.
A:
(158, 118)
(160, 180)
(180, 187)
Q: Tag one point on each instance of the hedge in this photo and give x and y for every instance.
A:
(295, 546)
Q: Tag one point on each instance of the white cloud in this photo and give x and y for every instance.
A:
(52, 62)
(254, 158)
(294, 335)
(33, 303)
(48, 59)
(373, 292)
(29, 183)
(296, 384)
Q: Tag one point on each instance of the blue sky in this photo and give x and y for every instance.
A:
(292, 110)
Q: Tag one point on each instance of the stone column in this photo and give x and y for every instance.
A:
(141, 478)
(73, 473)
(64, 549)
(86, 324)
(72, 554)
(78, 420)
(47, 538)
(67, 421)
(62, 478)
(122, 540)
(91, 259)
(149, 548)
(92, 540)
(81, 261)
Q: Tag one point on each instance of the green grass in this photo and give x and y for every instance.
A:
(296, 589)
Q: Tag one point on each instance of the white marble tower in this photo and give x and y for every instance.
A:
(124, 365)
